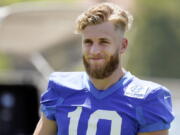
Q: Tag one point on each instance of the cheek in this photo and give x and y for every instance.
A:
(112, 51)
(84, 51)
(85, 48)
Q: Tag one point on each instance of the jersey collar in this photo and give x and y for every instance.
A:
(100, 94)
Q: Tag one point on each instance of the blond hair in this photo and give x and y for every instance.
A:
(104, 12)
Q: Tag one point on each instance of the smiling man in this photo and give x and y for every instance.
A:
(106, 99)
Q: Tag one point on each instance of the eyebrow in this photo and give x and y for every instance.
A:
(100, 39)
(87, 40)
(104, 39)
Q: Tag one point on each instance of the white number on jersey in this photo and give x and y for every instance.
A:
(115, 118)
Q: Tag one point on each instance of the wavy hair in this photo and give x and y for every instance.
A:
(103, 12)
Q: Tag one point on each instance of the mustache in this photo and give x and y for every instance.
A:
(95, 57)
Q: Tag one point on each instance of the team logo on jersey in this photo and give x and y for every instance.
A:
(136, 91)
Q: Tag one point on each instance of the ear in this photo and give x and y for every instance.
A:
(124, 45)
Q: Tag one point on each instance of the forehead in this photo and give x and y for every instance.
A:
(104, 30)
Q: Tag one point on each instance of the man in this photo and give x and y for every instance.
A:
(104, 100)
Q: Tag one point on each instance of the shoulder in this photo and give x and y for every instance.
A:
(143, 89)
(61, 85)
(152, 104)
(66, 75)
(71, 80)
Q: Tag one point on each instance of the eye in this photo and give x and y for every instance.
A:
(104, 42)
(88, 42)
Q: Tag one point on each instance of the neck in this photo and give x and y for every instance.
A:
(103, 84)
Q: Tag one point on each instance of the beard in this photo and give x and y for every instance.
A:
(105, 70)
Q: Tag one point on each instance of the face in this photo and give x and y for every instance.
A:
(101, 48)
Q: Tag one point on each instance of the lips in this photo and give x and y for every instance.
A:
(95, 58)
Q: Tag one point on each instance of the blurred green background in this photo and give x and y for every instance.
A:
(155, 43)
(7, 2)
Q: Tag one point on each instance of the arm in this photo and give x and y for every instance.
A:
(162, 132)
(45, 127)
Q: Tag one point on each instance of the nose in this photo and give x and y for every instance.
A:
(95, 49)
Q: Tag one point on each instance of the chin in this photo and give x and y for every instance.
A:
(97, 66)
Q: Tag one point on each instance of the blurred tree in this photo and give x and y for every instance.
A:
(155, 49)
(4, 62)
(7, 2)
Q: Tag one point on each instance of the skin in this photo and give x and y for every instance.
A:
(99, 43)
(45, 126)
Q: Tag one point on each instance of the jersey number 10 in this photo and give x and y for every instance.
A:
(115, 118)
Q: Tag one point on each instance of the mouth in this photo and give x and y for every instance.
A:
(95, 58)
(98, 60)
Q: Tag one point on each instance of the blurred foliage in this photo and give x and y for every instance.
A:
(4, 62)
(155, 44)
(7, 2)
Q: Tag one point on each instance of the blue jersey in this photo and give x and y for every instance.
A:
(127, 107)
